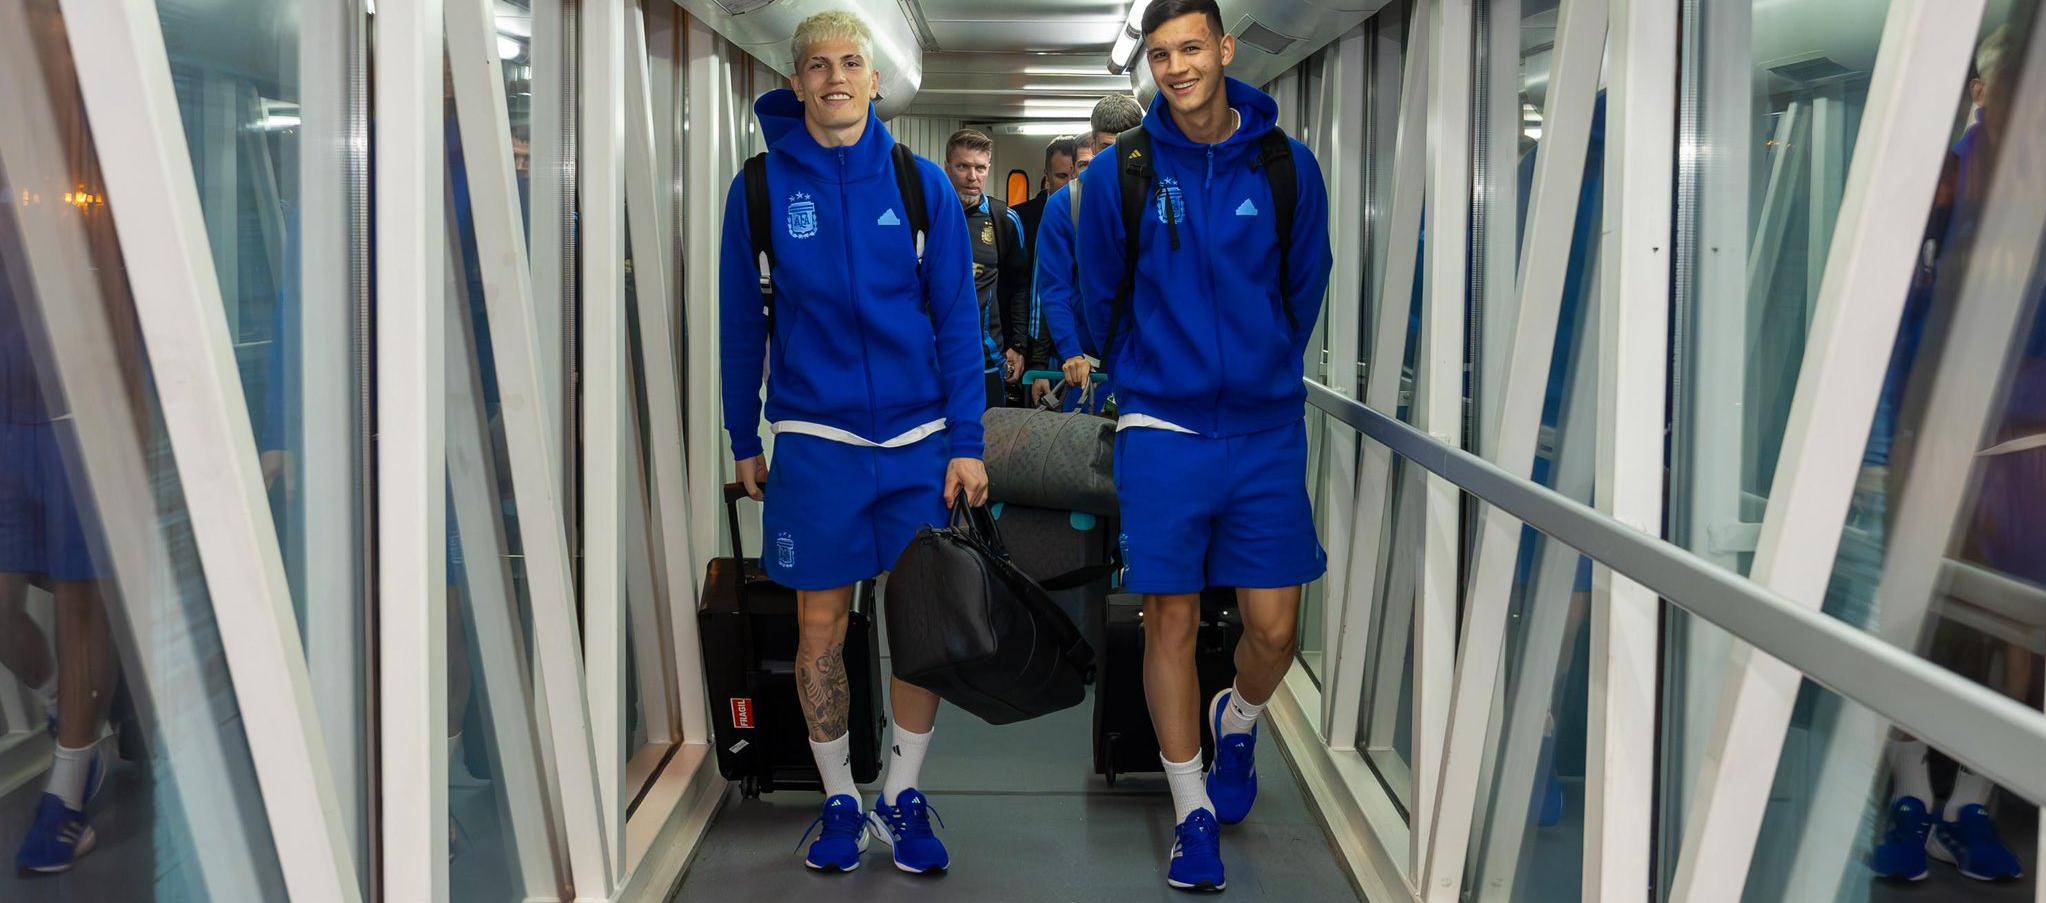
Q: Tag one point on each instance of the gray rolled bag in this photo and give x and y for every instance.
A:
(1063, 461)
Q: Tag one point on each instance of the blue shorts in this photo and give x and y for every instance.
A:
(42, 528)
(838, 514)
(1200, 512)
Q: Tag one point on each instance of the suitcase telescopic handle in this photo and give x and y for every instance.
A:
(1059, 376)
(733, 493)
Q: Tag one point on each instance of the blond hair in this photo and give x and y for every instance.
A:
(1990, 56)
(835, 25)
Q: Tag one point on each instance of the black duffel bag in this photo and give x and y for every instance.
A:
(966, 624)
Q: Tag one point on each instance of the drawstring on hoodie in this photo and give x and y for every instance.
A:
(1170, 211)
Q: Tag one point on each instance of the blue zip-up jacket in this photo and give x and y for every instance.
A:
(1206, 344)
(861, 343)
(1057, 298)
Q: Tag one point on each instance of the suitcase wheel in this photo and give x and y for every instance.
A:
(749, 788)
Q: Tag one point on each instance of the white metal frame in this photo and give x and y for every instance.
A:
(124, 76)
(1375, 487)
(1342, 140)
(490, 604)
(331, 60)
(713, 159)
(412, 277)
(1438, 410)
(1924, 50)
(1633, 357)
(49, 254)
(646, 204)
(1967, 391)
(600, 184)
(1544, 266)
(567, 746)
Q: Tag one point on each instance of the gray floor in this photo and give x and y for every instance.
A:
(1026, 819)
(122, 864)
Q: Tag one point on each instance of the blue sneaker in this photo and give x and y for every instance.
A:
(843, 839)
(906, 827)
(1970, 844)
(1232, 779)
(1551, 813)
(1901, 855)
(1196, 862)
(56, 840)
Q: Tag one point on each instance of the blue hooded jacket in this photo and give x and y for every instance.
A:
(1055, 293)
(1205, 344)
(861, 343)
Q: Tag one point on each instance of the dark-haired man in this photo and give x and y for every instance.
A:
(1206, 339)
(1061, 155)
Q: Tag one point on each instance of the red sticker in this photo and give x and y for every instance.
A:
(742, 713)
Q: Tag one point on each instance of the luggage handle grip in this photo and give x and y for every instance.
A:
(1059, 376)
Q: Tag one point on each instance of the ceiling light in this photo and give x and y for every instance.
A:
(1124, 53)
(1042, 127)
(508, 49)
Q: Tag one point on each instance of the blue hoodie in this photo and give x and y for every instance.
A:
(861, 344)
(1056, 301)
(1211, 349)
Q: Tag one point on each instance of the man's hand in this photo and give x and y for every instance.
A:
(1078, 369)
(1014, 360)
(1038, 389)
(969, 475)
(753, 475)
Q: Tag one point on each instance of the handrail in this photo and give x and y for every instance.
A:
(1994, 734)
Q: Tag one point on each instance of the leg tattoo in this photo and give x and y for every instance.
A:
(826, 694)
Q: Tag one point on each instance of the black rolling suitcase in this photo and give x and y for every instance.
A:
(748, 628)
(1046, 544)
(1124, 741)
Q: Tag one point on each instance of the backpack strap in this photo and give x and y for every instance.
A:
(1133, 154)
(757, 203)
(1275, 157)
(909, 182)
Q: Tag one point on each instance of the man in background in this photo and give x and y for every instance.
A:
(1057, 307)
(1001, 263)
(1061, 155)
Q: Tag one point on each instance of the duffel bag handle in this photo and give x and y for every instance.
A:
(976, 522)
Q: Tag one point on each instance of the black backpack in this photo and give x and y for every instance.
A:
(1134, 153)
(907, 181)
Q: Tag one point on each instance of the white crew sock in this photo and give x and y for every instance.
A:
(68, 773)
(1239, 716)
(1970, 789)
(1908, 773)
(1189, 787)
(834, 765)
(905, 762)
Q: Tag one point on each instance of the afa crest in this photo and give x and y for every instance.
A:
(785, 551)
(1171, 204)
(987, 233)
(802, 216)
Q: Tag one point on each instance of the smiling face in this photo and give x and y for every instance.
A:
(836, 84)
(1187, 57)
